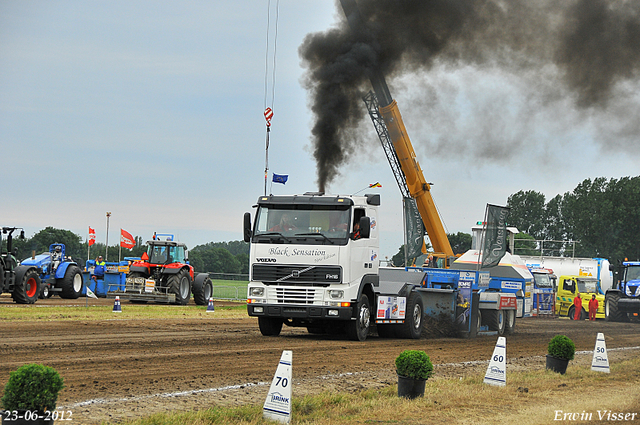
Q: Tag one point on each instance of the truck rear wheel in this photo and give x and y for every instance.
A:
(202, 289)
(180, 285)
(412, 326)
(495, 319)
(27, 290)
(611, 310)
(357, 330)
(510, 324)
(270, 326)
(71, 283)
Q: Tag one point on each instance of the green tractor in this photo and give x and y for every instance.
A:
(21, 281)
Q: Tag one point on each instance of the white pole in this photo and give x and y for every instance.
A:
(107, 242)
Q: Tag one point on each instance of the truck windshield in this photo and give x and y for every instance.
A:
(302, 224)
(632, 273)
(542, 280)
(587, 285)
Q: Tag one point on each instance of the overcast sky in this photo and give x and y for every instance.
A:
(153, 111)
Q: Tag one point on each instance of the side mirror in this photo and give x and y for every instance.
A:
(247, 227)
(365, 227)
(22, 234)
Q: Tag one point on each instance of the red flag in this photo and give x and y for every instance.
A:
(126, 240)
(92, 236)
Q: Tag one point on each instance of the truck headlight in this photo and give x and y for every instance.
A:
(256, 292)
(336, 294)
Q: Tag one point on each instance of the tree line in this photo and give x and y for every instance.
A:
(599, 218)
(213, 257)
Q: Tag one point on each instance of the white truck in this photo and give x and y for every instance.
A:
(597, 268)
(310, 266)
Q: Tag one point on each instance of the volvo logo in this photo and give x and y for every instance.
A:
(295, 273)
(266, 260)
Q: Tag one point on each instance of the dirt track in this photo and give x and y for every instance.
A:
(104, 362)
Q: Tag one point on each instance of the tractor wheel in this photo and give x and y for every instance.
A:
(510, 324)
(572, 313)
(412, 326)
(270, 326)
(495, 319)
(46, 291)
(1, 277)
(358, 329)
(180, 284)
(27, 290)
(202, 289)
(71, 283)
(611, 311)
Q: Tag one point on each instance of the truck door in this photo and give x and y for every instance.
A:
(364, 253)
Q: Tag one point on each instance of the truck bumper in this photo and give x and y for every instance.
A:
(300, 312)
(629, 305)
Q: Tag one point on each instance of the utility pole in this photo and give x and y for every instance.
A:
(107, 242)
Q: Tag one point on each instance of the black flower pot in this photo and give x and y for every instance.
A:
(410, 388)
(557, 364)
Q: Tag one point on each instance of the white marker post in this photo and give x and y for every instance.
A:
(277, 406)
(600, 361)
(497, 370)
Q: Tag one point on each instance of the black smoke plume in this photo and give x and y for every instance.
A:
(587, 46)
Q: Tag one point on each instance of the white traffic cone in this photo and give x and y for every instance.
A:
(600, 362)
(117, 308)
(497, 370)
(277, 406)
(210, 307)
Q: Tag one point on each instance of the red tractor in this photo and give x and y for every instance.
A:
(164, 275)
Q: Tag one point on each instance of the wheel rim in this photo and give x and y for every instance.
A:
(606, 308)
(184, 288)
(207, 292)
(364, 317)
(501, 319)
(77, 282)
(31, 287)
(417, 316)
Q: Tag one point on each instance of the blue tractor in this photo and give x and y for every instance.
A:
(622, 301)
(59, 274)
(21, 281)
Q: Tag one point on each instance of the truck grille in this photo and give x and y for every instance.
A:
(294, 295)
(297, 275)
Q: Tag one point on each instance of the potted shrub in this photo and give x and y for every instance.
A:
(561, 349)
(31, 391)
(413, 367)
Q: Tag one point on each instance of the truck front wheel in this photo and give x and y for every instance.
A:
(412, 326)
(270, 326)
(357, 330)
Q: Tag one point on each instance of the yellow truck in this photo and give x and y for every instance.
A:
(569, 287)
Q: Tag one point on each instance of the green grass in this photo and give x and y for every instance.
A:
(230, 289)
(457, 400)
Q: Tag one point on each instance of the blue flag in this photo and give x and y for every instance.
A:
(280, 178)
